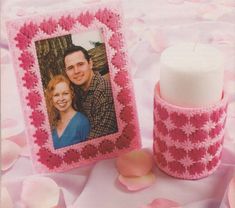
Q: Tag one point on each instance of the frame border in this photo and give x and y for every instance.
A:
(22, 34)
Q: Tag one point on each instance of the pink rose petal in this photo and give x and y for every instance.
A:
(9, 154)
(231, 193)
(135, 163)
(230, 3)
(137, 183)
(175, 1)
(6, 201)
(213, 12)
(43, 192)
(162, 203)
(11, 127)
(157, 40)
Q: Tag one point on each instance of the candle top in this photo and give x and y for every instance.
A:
(192, 56)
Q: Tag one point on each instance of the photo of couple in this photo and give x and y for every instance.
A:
(79, 99)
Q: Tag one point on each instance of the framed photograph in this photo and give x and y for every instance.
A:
(77, 95)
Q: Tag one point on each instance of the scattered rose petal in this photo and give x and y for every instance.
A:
(230, 3)
(43, 192)
(9, 154)
(162, 203)
(8, 123)
(25, 151)
(157, 40)
(6, 200)
(222, 38)
(175, 1)
(137, 183)
(90, 1)
(231, 193)
(135, 163)
(213, 11)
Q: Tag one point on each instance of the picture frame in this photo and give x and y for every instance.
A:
(38, 44)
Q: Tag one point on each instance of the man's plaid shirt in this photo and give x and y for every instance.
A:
(97, 104)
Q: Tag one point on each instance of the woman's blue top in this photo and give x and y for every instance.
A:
(76, 131)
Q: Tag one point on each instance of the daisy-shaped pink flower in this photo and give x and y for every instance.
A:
(27, 60)
(66, 22)
(124, 96)
(116, 41)
(37, 118)
(41, 137)
(71, 156)
(118, 60)
(86, 19)
(48, 26)
(49, 159)
(123, 142)
(29, 30)
(34, 99)
(30, 80)
(127, 114)
(22, 41)
(106, 146)
(121, 78)
(89, 151)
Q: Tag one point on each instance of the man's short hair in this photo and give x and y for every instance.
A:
(74, 48)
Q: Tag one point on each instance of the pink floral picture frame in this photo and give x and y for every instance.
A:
(23, 34)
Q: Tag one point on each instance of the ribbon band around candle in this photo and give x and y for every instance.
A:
(188, 142)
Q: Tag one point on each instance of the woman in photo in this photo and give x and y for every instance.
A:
(68, 126)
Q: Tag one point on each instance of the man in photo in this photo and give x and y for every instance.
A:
(93, 92)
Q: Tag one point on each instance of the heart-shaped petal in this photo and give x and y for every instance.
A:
(162, 203)
(134, 163)
(43, 192)
(6, 200)
(137, 183)
(9, 154)
(231, 192)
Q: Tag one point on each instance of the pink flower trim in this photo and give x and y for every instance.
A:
(25, 35)
(85, 19)
(67, 22)
(27, 60)
(109, 18)
(177, 153)
(123, 142)
(48, 26)
(188, 141)
(121, 78)
(118, 60)
(49, 159)
(22, 41)
(29, 30)
(127, 114)
(106, 146)
(34, 99)
(30, 80)
(124, 96)
(71, 156)
(176, 167)
(196, 168)
(129, 131)
(89, 151)
(197, 154)
(38, 118)
(41, 137)
(116, 41)
(178, 119)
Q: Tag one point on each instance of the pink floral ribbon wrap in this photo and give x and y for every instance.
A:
(188, 142)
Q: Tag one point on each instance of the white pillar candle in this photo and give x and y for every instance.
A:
(191, 75)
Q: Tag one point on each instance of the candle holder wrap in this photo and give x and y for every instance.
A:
(188, 142)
